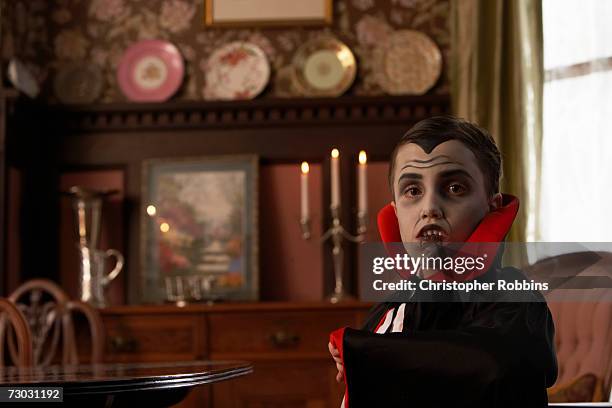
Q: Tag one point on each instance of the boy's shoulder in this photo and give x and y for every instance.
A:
(374, 316)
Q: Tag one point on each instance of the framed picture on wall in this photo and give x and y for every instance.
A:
(246, 13)
(199, 229)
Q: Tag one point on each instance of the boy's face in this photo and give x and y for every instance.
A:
(442, 191)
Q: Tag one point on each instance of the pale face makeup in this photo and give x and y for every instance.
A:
(439, 196)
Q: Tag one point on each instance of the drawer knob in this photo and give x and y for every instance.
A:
(283, 338)
(120, 344)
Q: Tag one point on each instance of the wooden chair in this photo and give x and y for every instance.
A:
(49, 314)
(9, 313)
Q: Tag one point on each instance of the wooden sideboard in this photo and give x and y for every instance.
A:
(286, 342)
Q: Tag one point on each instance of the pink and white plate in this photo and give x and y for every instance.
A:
(238, 70)
(150, 71)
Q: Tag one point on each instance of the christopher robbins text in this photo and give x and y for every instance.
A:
(430, 285)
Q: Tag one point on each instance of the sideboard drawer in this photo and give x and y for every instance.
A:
(154, 338)
(275, 332)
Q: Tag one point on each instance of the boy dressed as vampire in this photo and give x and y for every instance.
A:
(444, 176)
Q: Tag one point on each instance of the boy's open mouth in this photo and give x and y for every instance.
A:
(432, 233)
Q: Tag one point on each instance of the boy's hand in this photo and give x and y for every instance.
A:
(336, 356)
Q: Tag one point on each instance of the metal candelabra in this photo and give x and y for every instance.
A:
(337, 234)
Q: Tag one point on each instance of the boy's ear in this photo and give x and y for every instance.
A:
(495, 202)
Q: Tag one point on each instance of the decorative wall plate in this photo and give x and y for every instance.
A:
(324, 67)
(151, 71)
(22, 79)
(80, 83)
(238, 70)
(409, 63)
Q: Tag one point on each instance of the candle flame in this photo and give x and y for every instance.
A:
(363, 157)
(151, 210)
(164, 227)
(305, 168)
(335, 153)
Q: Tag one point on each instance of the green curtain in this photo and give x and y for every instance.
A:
(497, 82)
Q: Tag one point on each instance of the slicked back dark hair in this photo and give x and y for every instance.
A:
(430, 132)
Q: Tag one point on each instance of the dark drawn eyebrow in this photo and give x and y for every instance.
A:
(444, 175)
(409, 176)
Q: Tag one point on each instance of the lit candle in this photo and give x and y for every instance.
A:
(304, 189)
(362, 184)
(335, 178)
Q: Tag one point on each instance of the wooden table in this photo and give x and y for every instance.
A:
(124, 384)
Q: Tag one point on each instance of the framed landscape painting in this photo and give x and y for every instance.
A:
(248, 13)
(199, 229)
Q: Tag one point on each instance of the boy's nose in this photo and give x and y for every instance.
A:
(431, 213)
(431, 209)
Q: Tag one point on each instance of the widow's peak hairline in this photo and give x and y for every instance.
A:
(431, 132)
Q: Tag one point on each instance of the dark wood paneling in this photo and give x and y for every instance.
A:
(51, 139)
(281, 248)
(32, 149)
(255, 113)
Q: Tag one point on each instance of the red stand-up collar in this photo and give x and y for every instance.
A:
(488, 235)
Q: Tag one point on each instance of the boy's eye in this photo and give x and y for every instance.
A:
(412, 191)
(457, 189)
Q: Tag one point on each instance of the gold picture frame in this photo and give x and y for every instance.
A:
(271, 13)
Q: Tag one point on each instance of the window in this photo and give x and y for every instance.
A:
(576, 184)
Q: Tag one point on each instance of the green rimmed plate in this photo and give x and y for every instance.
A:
(324, 67)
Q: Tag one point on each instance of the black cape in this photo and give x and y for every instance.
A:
(478, 354)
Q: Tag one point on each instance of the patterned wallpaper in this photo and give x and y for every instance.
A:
(47, 34)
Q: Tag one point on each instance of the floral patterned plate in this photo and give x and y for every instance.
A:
(78, 83)
(238, 70)
(324, 67)
(408, 63)
(150, 71)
